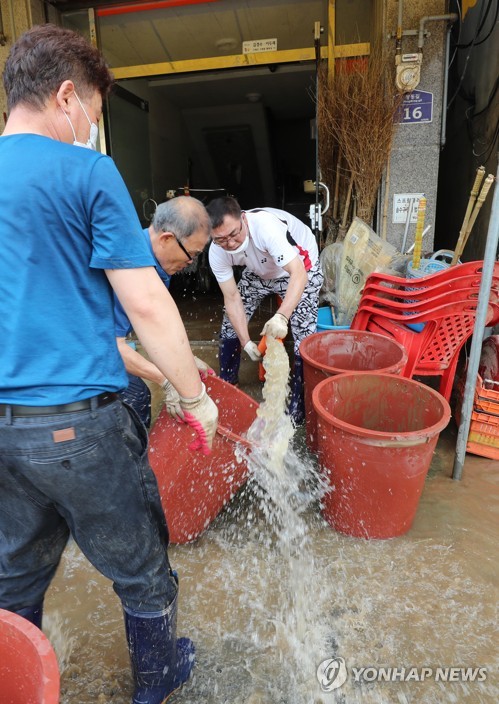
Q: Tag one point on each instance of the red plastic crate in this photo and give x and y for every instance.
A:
(483, 438)
(486, 400)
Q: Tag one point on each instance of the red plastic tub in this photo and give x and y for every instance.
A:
(377, 434)
(326, 354)
(194, 487)
(29, 673)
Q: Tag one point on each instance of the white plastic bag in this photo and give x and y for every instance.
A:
(363, 253)
(330, 261)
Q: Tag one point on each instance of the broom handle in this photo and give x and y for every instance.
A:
(480, 173)
(418, 237)
(333, 315)
(337, 189)
(480, 201)
(347, 203)
(385, 205)
(408, 219)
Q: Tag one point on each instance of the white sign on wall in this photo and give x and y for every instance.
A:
(257, 45)
(401, 203)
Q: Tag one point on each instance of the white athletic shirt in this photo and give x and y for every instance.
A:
(268, 249)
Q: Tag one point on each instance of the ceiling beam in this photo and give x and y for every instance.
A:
(237, 61)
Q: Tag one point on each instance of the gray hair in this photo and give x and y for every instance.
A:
(183, 216)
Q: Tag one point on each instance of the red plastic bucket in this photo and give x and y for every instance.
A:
(377, 434)
(194, 487)
(326, 354)
(29, 673)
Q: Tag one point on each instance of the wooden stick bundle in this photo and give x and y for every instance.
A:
(480, 201)
(480, 173)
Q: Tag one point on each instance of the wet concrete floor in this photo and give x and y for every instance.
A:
(426, 599)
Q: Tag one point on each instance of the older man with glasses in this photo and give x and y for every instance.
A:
(280, 256)
(178, 233)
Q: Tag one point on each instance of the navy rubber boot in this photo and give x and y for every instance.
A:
(230, 359)
(296, 406)
(161, 663)
(33, 614)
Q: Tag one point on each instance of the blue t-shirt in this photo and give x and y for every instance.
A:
(122, 322)
(65, 216)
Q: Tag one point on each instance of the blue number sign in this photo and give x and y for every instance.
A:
(416, 107)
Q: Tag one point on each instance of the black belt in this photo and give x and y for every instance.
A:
(94, 402)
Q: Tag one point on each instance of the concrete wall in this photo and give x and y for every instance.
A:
(415, 156)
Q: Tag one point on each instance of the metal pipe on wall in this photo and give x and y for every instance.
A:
(451, 17)
(398, 45)
(477, 339)
(445, 90)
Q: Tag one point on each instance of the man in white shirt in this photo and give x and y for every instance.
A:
(280, 256)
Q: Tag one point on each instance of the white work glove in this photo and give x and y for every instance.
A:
(252, 351)
(201, 413)
(276, 327)
(204, 369)
(172, 400)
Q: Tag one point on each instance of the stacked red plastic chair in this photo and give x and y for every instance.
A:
(432, 316)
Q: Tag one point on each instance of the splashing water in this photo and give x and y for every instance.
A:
(286, 486)
(269, 590)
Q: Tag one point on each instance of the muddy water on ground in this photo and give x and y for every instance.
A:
(264, 611)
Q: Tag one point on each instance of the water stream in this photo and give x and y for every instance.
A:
(270, 591)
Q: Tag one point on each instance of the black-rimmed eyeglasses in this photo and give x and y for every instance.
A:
(221, 241)
(190, 257)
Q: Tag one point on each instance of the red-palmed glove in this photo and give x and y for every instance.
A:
(201, 413)
(204, 369)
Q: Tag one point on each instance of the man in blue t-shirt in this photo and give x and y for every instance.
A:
(73, 459)
(177, 235)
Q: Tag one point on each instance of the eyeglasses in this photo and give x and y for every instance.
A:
(221, 241)
(190, 257)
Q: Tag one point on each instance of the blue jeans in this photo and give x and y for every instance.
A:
(138, 396)
(91, 479)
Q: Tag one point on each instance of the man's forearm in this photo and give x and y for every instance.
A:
(297, 282)
(157, 323)
(237, 316)
(137, 364)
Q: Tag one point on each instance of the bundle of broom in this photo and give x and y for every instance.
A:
(476, 200)
(356, 107)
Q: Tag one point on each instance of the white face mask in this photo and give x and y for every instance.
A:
(91, 142)
(242, 247)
